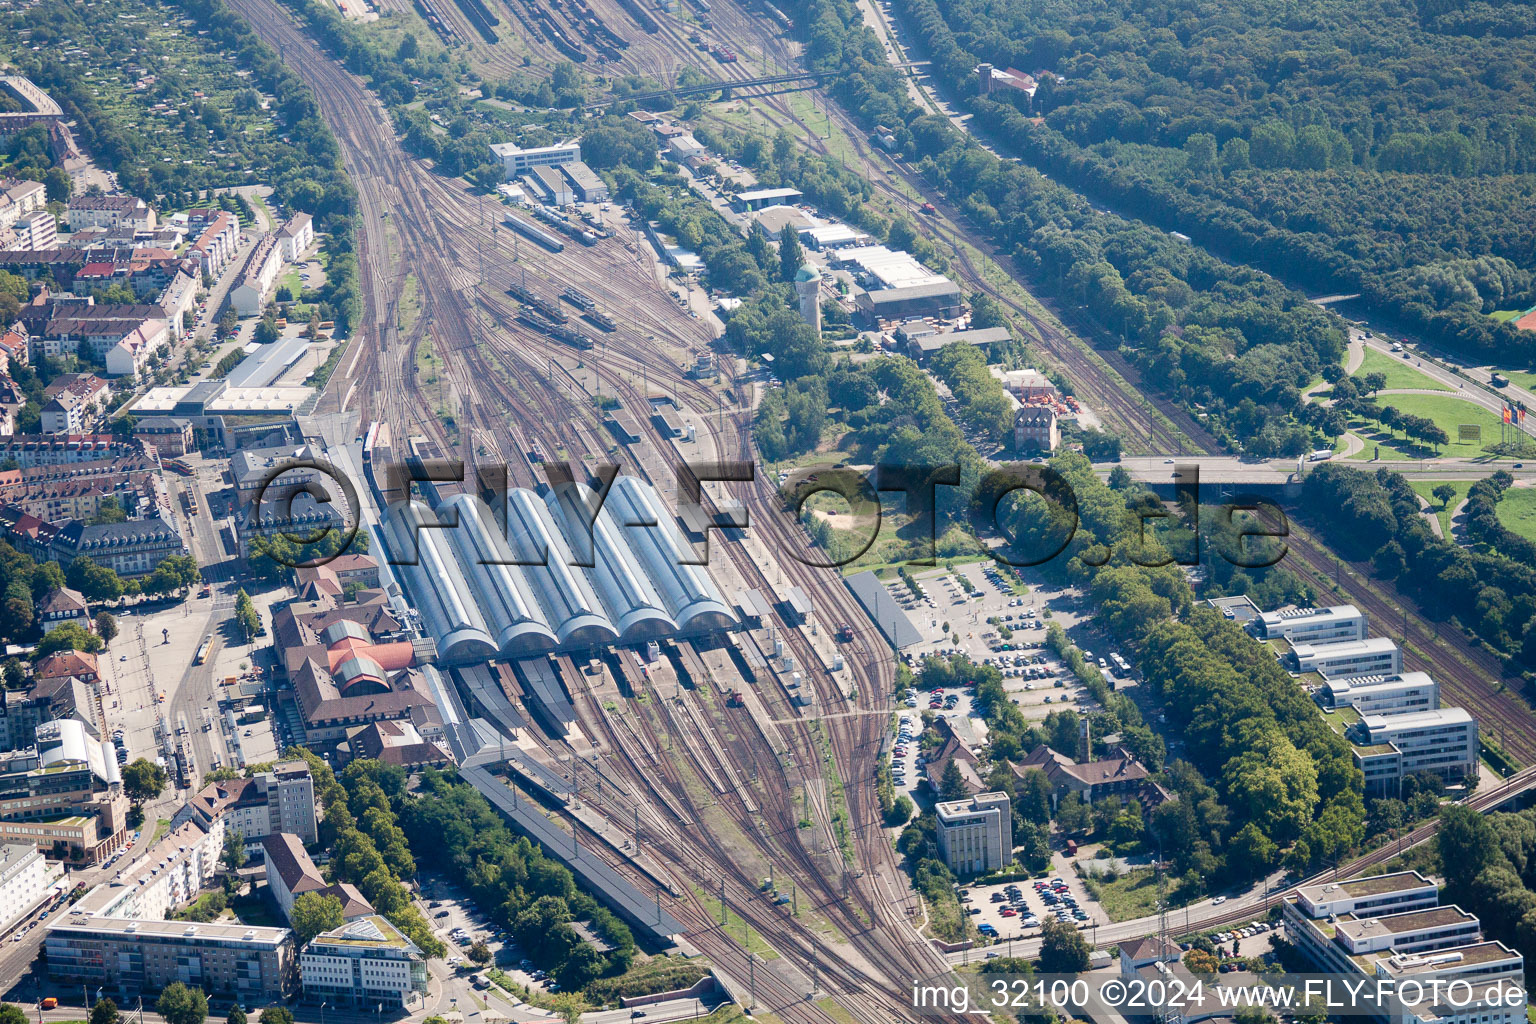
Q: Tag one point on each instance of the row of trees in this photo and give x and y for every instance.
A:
(455, 831)
(1376, 516)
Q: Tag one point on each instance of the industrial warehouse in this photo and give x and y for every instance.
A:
(540, 584)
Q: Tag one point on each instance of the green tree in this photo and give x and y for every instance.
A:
(234, 850)
(952, 782)
(1467, 845)
(901, 811)
(1063, 949)
(1072, 814)
(104, 1012)
(144, 780)
(480, 953)
(1443, 493)
(313, 914)
(236, 1015)
(276, 1014)
(108, 510)
(791, 255)
(10, 1013)
(246, 614)
(179, 1004)
(106, 627)
(1200, 153)
(95, 582)
(71, 636)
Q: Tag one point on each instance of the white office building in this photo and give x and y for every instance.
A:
(516, 161)
(1312, 625)
(26, 879)
(1392, 927)
(1443, 741)
(1376, 656)
(1383, 695)
(366, 963)
(976, 835)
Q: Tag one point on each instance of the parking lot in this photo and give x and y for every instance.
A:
(1017, 909)
(460, 924)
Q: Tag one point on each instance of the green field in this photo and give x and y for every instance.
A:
(1448, 411)
(1517, 511)
(1424, 487)
(1399, 374)
(1132, 895)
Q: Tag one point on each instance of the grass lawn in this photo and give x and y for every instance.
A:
(1517, 511)
(1132, 895)
(1398, 372)
(1525, 378)
(1448, 412)
(1504, 315)
(1424, 487)
(161, 828)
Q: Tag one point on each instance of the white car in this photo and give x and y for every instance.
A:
(1218, 901)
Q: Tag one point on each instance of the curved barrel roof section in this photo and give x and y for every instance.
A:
(504, 592)
(690, 596)
(633, 605)
(443, 595)
(571, 607)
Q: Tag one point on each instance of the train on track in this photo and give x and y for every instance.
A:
(580, 299)
(600, 320)
(563, 224)
(537, 234)
(545, 308)
(641, 16)
(572, 337)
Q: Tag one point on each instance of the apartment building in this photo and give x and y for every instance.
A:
(1312, 625)
(295, 237)
(27, 878)
(116, 937)
(280, 800)
(36, 231)
(1392, 927)
(1387, 747)
(1035, 429)
(74, 403)
(365, 963)
(110, 212)
(976, 835)
(20, 198)
(1375, 656)
(290, 874)
(254, 288)
(1383, 695)
(45, 699)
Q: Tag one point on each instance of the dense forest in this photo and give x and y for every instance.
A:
(1380, 146)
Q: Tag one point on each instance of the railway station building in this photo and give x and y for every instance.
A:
(546, 581)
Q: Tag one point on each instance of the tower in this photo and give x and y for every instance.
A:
(1084, 741)
(808, 288)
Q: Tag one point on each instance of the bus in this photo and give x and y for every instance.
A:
(202, 650)
(180, 466)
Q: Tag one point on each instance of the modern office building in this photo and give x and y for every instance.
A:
(515, 160)
(976, 835)
(280, 800)
(1390, 927)
(1387, 747)
(365, 963)
(1312, 625)
(1382, 695)
(1376, 656)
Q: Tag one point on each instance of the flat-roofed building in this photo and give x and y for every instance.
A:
(117, 938)
(515, 160)
(1368, 897)
(1312, 625)
(27, 878)
(589, 187)
(1443, 741)
(756, 199)
(1414, 931)
(364, 963)
(1383, 695)
(1376, 656)
(551, 185)
(1415, 940)
(976, 835)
